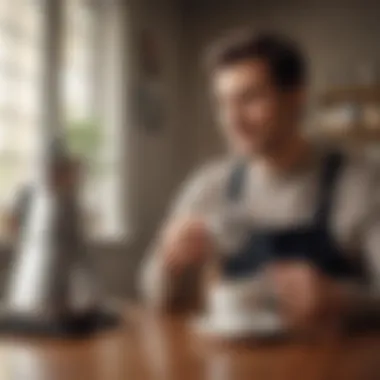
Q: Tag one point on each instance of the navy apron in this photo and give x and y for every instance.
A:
(312, 242)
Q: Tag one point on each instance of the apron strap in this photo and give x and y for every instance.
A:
(236, 181)
(331, 169)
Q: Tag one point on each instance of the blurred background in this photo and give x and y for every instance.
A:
(135, 104)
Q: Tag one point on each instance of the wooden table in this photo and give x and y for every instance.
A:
(162, 347)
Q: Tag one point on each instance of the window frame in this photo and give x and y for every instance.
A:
(113, 116)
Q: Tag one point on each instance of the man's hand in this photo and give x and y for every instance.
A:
(307, 297)
(185, 243)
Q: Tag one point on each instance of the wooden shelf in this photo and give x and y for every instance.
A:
(357, 95)
(357, 136)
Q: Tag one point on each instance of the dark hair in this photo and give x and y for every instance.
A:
(285, 60)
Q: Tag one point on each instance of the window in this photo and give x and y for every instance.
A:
(20, 48)
(91, 73)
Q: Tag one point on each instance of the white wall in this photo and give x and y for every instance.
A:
(337, 35)
(157, 158)
(155, 163)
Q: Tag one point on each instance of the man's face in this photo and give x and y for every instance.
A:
(256, 116)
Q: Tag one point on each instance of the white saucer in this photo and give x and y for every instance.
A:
(261, 324)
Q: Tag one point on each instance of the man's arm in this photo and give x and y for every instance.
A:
(172, 271)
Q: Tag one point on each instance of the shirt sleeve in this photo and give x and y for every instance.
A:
(200, 194)
(198, 197)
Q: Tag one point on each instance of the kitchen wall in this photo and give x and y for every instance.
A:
(340, 37)
(155, 163)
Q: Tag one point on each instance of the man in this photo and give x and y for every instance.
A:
(315, 215)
